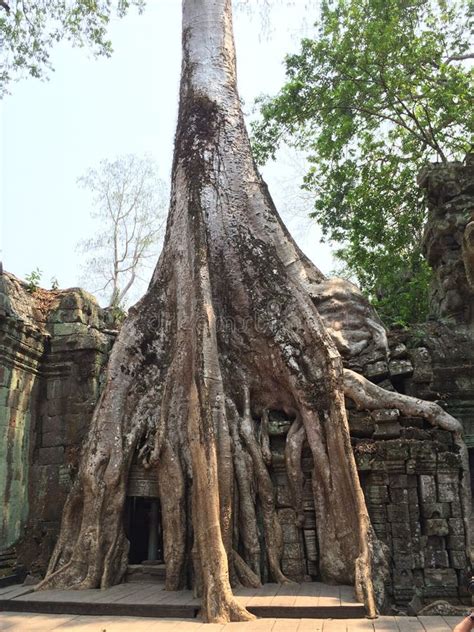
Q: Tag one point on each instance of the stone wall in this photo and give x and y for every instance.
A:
(412, 489)
(53, 349)
(411, 476)
(448, 239)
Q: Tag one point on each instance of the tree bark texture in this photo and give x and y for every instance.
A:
(228, 330)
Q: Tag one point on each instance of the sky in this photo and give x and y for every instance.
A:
(93, 109)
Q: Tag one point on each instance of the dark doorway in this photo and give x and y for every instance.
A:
(144, 531)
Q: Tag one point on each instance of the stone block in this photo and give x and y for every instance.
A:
(414, 523)
(75, 429)
(442, 436)
(378, 478)
(376, 493)
(456, 509)
(385, 415)
(436, 559)
(294, 569)
(293, 550)
(440, 592)
(403, 561)
(364, 462)
(458, 559)
(15, 398)
(394, 465)
(4, 394)
(402, 545)
(378, 464)
(418, 578)
(69, 329)
(278, 427)
(411, 422)
(52, 424)
(436, 510)
(449, 462)
(65, 478)
(436, 526)
(360, 424)
(5, 376)
(51, 439)
(422, 370)
(55, 388)
(399, 350)
(399, 481)
(397, 451)
(448, 487)
(441, 577)
(378, 514)
(457, 542)
(464, 579)
(289, 533)
(283, 498)
(427, 489)
(381, 531)
(398, 513)
(309, 519)
(377, 370)
(434, 542)
(418, 559)
(51, 456)
(387, 430)
(456, 526)
(401, 530)
(399, 495)
(400, 367)
(402, 578)
(413, 496)
(58, 406)
(415, 434)
(311, 544)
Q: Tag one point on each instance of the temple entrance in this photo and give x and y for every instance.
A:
(144, 532)
(143, 526)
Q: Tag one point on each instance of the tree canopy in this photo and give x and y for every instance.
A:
(28, 30)
(382, 88)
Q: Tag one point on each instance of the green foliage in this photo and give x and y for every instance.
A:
(119, 314)
(54, 283)
(33, 280)
(29, 29)
(383, 88)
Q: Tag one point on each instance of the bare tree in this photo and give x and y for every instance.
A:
(129, 204)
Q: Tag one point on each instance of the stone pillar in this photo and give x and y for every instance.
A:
(153, 532)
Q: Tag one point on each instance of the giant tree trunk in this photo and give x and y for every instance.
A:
(227, 330)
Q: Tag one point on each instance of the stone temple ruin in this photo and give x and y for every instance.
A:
(54, 347)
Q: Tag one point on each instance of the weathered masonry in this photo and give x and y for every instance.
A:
(53, 351)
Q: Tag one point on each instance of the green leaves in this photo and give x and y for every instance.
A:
(382, 88)
(29, 29)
